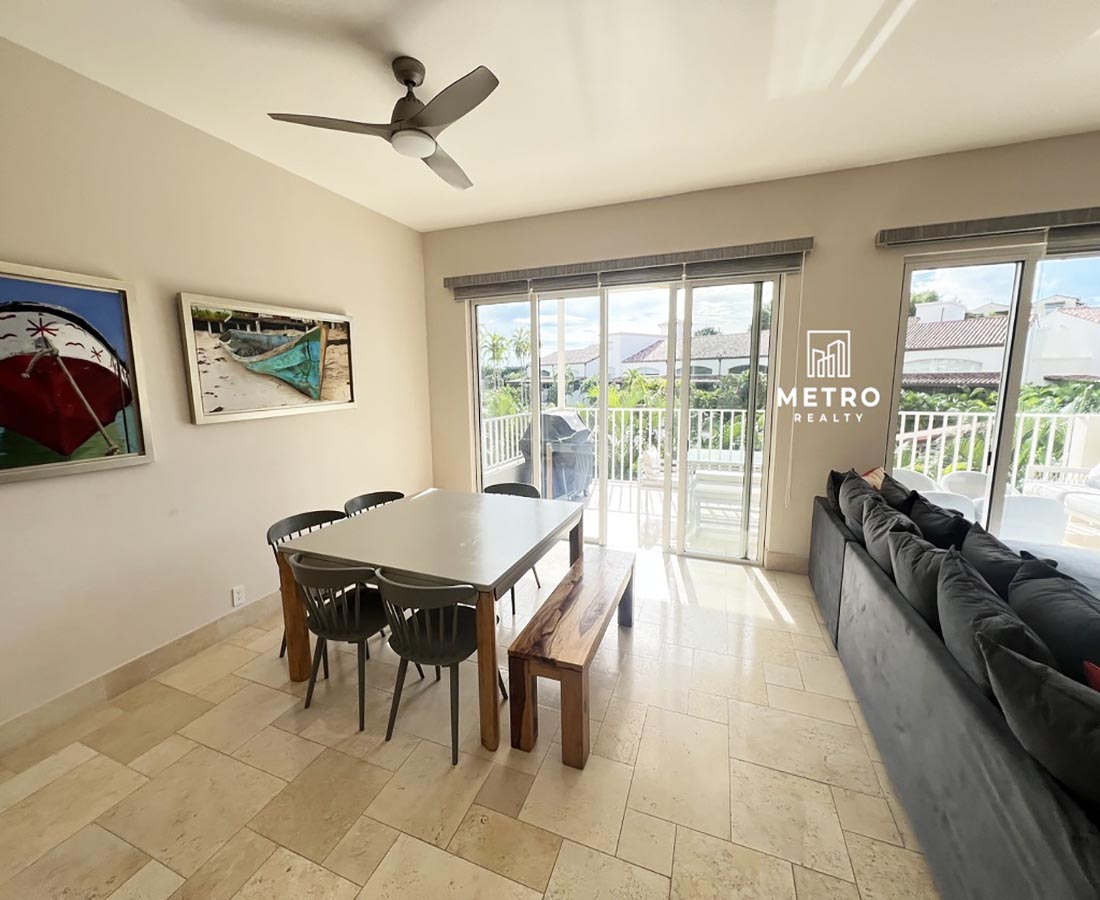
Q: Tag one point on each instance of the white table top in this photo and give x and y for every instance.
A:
(698, 456)
(478, 539)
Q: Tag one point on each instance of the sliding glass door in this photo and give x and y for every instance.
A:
(664, 455)
(724, 418)
(998, 392)
(571, 395)
(502, 349)
(1049, 480)
(953, 361)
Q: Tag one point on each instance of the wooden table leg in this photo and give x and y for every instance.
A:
(523, 697)
(576, 541)
(487, 669)
(575, 736)
(298, 657)
(626, 604)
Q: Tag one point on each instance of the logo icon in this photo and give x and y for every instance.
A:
(828, 354)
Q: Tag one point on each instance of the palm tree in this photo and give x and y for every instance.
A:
(521, 344)
(495, 348)
(521, 349)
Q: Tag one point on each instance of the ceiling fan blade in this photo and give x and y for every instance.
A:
(446, 168)
(382, 131)
(453, 102)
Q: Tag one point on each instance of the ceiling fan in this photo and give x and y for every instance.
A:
(414, 125)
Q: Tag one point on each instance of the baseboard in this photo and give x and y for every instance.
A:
(27, 726)
(786, 562)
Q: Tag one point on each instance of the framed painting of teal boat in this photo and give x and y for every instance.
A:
(250, 360)
(71, 397)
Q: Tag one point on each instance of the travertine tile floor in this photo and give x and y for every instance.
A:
(729, 759)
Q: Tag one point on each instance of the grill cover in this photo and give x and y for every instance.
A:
(571, 461)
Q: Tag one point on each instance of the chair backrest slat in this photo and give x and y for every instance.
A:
(423, 618)
(364, 502)
(303, 523)
(331, 593)
(514, 489)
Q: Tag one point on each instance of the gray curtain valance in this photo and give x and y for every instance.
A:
(1078, 229)
(744, 259)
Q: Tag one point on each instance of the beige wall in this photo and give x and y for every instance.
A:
(102, 567)
(848, 283)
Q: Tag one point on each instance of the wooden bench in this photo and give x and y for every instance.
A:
(560, 641)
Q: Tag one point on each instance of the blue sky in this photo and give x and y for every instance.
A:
(102, 309)
(975, 285)
(729, 307)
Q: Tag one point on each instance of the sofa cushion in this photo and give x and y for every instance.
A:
(854, 493)
(832, 488)
(879, 522)
(997, 562)
(966, 604)
(1081, 563)
(1053, 717)
(916, 566)
(945, 528)
(897, 494)
(1062, 611)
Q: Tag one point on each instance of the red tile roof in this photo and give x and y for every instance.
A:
(950, 379)
(705, 346)
(581, 355)
(1089, 313)
(987, 331)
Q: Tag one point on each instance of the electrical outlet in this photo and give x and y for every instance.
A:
(237, 593)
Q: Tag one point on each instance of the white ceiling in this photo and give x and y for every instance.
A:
(599, 100)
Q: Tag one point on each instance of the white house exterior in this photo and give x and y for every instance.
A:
(1063, 343)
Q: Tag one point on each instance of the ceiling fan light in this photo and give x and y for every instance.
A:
(414, 143)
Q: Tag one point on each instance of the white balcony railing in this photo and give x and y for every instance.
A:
(630, 432)
(930, 442)
(936, 443)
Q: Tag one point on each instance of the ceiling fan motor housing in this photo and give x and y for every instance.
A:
(406, 107)
(408, 71)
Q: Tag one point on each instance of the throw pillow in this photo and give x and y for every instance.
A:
(916, 564)
(832, 488)
(1092, 676)
(879, 522)
(897, 494)
(1062, 611)
(945, 528)
(967, 604)
(997, 562)
(854, 492)
(1053, 717)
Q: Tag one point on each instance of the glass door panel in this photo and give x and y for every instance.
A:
(569, 373)
(955, 353)
(1051, 491)
(719, 459)
(503, 331)
(637, 417)
(758, 406)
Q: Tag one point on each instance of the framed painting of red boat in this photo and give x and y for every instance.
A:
(249, 360)
(70, 388)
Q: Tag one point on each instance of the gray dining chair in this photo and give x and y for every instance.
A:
(431, 625)
(295, 526)
(339, 607)
(364, 502)
(517, 489)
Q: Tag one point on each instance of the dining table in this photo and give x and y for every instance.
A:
(488, 541)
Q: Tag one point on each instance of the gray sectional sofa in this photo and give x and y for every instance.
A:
(993, 824)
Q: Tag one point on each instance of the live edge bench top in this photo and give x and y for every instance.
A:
(567, 629)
